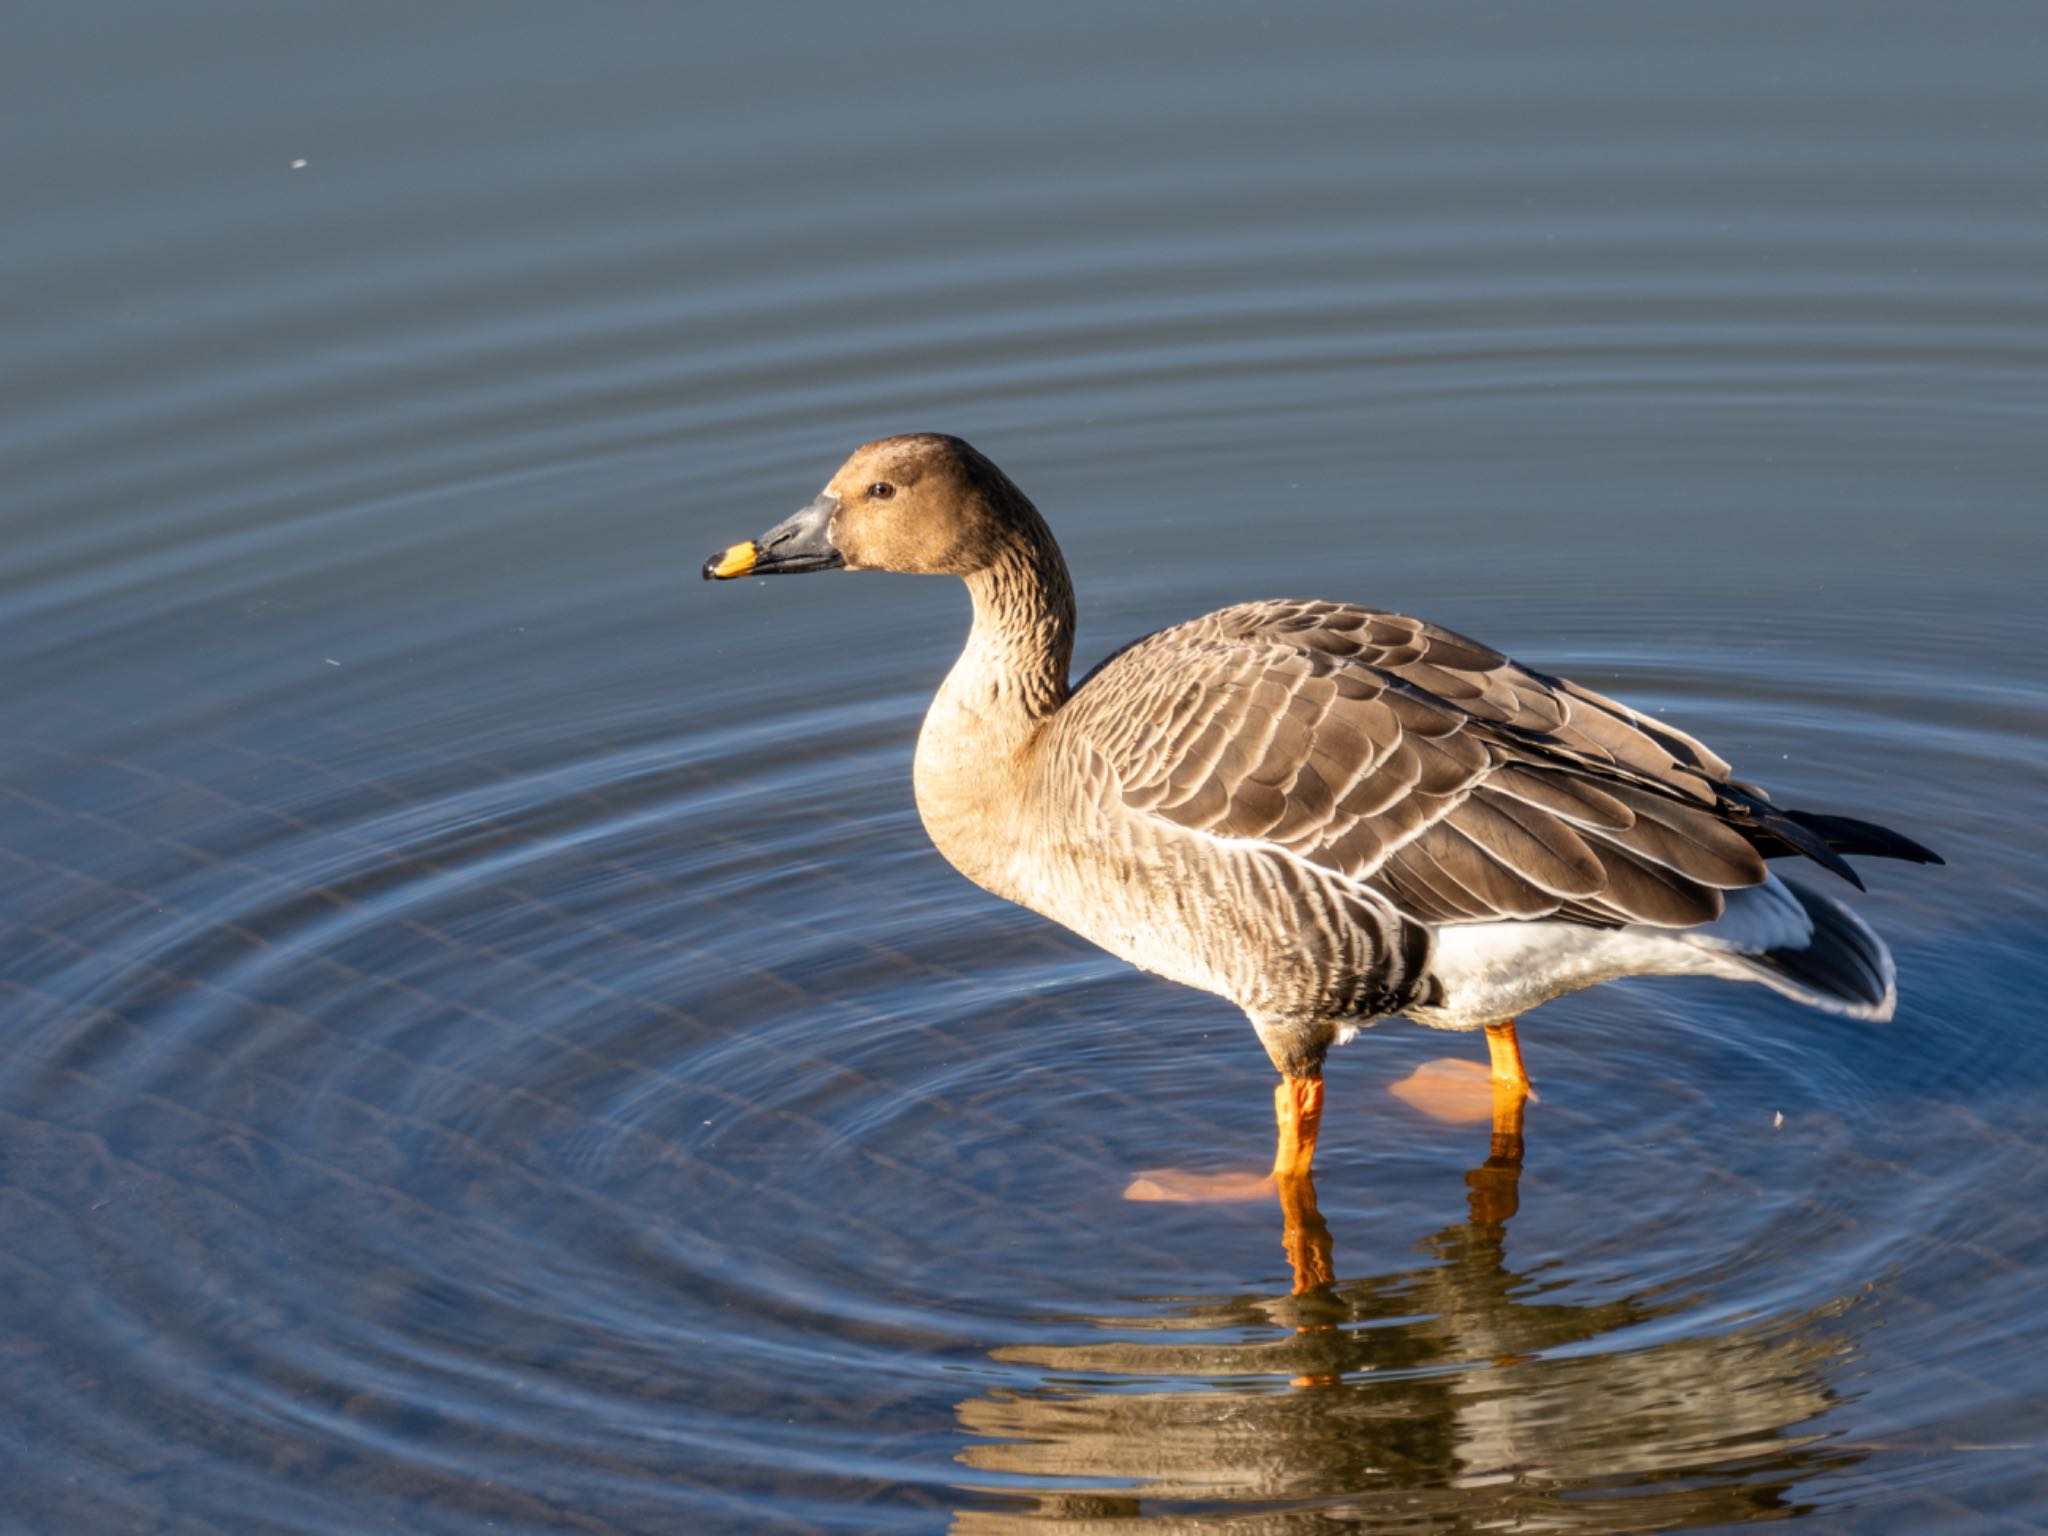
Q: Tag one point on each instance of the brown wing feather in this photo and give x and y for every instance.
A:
(1461, 785)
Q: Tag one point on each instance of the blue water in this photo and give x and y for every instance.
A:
(484, 1041)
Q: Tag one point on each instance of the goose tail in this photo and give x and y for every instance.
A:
(1807, 946)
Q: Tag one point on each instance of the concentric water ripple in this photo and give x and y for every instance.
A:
(503, 1085)
(484, 1041)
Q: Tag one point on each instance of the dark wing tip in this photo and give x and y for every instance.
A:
(1768, 824)
(1815, 847)
(1847, 834)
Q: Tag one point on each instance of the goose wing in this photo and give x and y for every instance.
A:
(1462, 786)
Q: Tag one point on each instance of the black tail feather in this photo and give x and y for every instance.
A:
(1844, 965)
(1845, 834)
(1776, 831)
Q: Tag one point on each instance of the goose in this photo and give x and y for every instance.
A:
(1329, 814)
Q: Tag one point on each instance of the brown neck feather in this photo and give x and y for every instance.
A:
(974, 753)
(1023, 638)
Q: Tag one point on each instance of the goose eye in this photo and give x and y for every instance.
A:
(881, 490)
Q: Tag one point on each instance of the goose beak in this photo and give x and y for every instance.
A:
(736, 561)
(802, 543)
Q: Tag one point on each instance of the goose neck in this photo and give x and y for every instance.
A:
(1022, 642)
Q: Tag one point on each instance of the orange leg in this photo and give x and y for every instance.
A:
(1456, 1091)
(1511, 1091)
(1298, 1110)
(1506, 1052)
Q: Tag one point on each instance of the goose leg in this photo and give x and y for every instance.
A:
(1495, 1186)
(1298, 1115)
(1298, 1111)
(1505, 1052)
(1457, 1092)
(1511, 1091)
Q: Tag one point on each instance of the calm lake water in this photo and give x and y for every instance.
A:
(487, 1045)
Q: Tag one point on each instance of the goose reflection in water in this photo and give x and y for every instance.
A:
(1451, 1395)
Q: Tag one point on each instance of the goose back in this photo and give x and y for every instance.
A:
(1401, 756)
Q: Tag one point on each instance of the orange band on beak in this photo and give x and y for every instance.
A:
(737, 561)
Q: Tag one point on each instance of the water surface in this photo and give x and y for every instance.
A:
(487, 1045)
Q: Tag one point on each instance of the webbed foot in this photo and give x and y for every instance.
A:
(1181, 1184)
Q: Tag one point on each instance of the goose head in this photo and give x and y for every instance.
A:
(925, 504)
